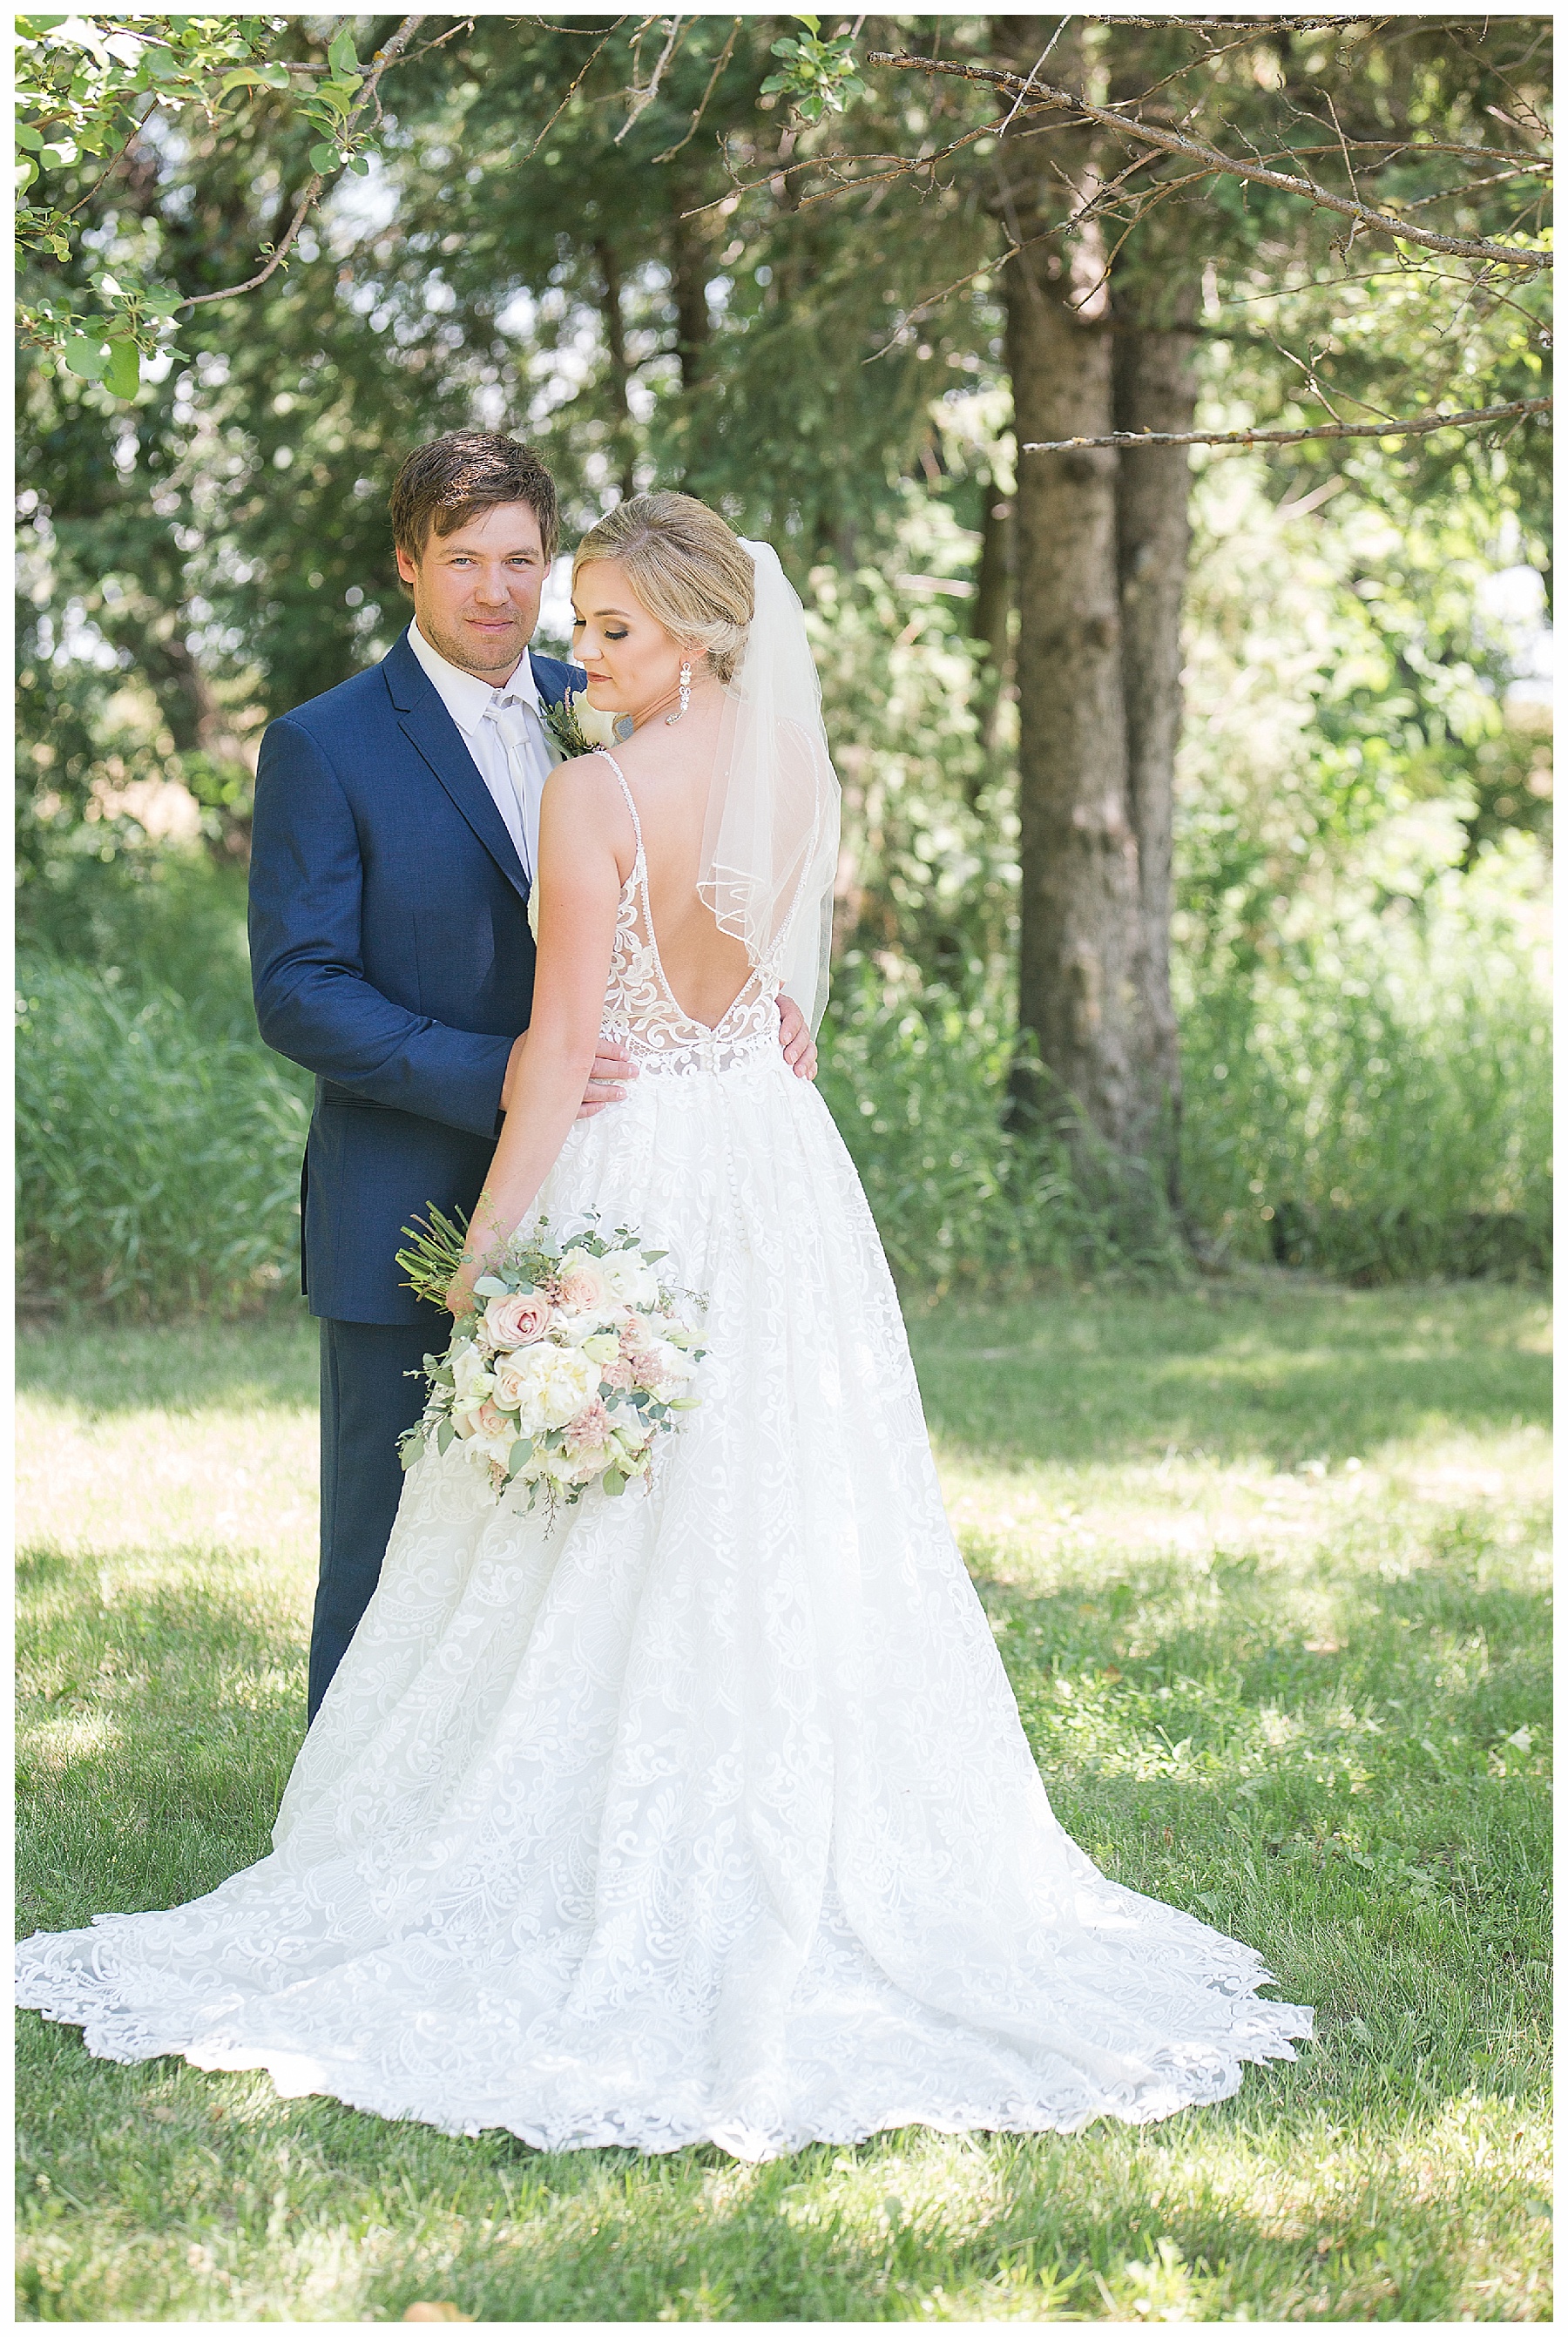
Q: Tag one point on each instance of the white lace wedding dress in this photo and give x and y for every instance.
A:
(706, 1815)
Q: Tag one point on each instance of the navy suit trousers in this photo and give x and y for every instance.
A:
(367, 1405)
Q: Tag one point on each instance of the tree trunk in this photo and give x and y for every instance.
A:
(1093, 985)
(1154, 390)
(991, 611)
(689, 264)
(228, 784)
(1082, 972)
(620, 371)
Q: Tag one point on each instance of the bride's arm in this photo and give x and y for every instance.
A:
(584, 833)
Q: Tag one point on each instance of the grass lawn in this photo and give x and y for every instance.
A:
(1268, 1565)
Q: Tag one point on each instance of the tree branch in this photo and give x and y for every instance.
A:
(311, 196)
(724, 55)
(1045, 98)
(1420, 427)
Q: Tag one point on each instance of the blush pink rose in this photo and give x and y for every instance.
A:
(517, 1321)
(583, 1288)
(617, 1374)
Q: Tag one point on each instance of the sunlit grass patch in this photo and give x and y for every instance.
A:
(1267, 1566)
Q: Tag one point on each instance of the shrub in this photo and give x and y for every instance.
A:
(1377, 1103)
(918, 1085)
(159, 1165)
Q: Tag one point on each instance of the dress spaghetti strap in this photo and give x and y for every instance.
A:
(614, 765)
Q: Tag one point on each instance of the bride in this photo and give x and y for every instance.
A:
(705, 1815)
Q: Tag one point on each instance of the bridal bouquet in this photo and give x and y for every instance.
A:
(576, 1360)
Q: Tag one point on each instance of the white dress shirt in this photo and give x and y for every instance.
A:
(515, 777)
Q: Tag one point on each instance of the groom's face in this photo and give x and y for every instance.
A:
(476, 591)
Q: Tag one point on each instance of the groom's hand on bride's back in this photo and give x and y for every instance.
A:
(605, 1084)
(799, 1047)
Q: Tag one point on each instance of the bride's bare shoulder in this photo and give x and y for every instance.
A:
(585, 795)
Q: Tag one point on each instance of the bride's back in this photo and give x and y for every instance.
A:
(727, 766)
(669, 770)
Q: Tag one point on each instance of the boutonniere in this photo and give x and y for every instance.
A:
(576, 727)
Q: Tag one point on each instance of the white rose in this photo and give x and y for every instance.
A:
(597, 726)
(577, 1330)
(494, 1435)
(629, 1278)
(670, 1372)
(469, 1376)
(517, 1376)
(473, 1387)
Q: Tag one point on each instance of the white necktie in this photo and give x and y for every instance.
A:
(511, 720)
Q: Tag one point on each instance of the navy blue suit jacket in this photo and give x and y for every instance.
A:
(390, 955)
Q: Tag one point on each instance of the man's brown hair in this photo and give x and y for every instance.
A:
(451, 481)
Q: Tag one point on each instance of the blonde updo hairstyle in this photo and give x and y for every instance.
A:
(688, 569)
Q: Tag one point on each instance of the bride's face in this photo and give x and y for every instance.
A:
(632, 662)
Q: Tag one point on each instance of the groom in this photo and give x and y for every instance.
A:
(394, 846)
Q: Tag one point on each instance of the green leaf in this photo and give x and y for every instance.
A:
(29, 137)
(521, 1453)
(339, 95)
(87, 359)
(444, 1435)
(614, 1483)
(814, 23)
(360, 167)
(323, 158)
(340, 55)
(160, 63)
(123, 373)
(251, 77)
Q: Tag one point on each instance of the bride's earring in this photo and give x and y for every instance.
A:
(685, 693)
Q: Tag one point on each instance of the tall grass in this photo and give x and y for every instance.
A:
(1377, 1105)
(1371, 1101)
(918, 1087)
(159, 1164)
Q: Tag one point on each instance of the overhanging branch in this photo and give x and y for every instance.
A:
(1420, 426)
(1043, 98)
(312, 194)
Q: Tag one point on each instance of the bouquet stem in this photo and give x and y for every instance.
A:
(434, 1252)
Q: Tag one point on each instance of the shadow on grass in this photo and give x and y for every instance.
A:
(1003, 2227)
(154, 1737)
(1282, 1378)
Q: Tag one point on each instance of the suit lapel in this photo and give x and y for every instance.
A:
(428, 727)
